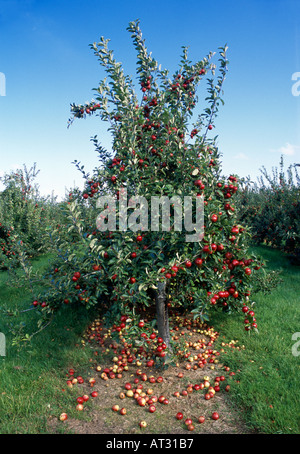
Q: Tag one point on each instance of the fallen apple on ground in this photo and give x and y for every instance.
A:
(63, 416)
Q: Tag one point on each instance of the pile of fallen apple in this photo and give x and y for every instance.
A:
(145, 355)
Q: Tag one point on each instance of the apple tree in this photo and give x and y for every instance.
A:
(162, 228)
(159, 152)
(25, 215)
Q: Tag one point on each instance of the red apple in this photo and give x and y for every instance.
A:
(141, 401)
(198, 261)
(63, 416)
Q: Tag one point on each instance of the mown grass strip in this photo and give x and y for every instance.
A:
(268, 388)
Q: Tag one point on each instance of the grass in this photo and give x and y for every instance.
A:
(268, 388)
(32, 377)
(267, 373)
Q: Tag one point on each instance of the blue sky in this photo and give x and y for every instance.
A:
(47, 63)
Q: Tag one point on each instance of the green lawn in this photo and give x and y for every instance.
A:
(269, 372)
(32, 378)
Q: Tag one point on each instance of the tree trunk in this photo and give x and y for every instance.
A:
(162, 314)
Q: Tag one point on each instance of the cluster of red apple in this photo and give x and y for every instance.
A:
(5, 234)
(81, 400)
(229, 189)
(39, 303)
(91, 189)
(194, 132)
(150, 346)
(189, 422)
(222, 296)
(209, 389)
(143, 398)
(146, 84)
(250, 320)
(80, 111)
(185, 83)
